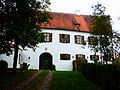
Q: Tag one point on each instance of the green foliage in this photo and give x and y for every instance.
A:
(54, 67)
(102, 30)
(19, 18)
(78, 63)
(18, 24)
(25, 66)
(106, 76)
(3, 67)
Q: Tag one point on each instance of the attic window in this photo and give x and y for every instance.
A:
(45, 22)
(77, 24)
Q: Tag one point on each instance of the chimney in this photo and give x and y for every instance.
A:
(77, 12)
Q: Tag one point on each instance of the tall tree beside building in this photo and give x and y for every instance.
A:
(18, 20)
(101, 29)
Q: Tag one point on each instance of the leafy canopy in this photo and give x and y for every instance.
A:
(101, 29)
(18, 20)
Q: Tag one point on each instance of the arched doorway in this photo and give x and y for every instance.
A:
(45, 61)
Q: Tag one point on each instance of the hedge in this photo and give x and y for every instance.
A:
(78, 63)
(107, 76)
(3, 67)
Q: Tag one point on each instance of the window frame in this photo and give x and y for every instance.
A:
(92, 40)
(93, 57)
(47, 37)
(65, 56)
(79, 56)
(79, 39)
(64, 38)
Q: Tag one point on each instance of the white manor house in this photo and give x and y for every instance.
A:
(66, 39)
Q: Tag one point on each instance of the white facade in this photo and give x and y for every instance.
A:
(55, 48)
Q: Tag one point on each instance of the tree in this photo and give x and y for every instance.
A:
(101, 29)
(18, 20)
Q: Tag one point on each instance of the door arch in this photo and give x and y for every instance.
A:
(45, 61)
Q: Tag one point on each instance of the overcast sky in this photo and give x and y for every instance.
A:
(70, 6)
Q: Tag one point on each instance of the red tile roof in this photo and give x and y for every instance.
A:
(68, 22)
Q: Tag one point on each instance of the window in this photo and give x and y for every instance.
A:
(79, 39)
(11, 44)
(104, 41)
(64, 38)
(64, 56)
(94, 57)
(106, 58)
(80, 56)
(47, 37)
(92, 40)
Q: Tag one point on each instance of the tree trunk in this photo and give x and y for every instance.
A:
(15, 57)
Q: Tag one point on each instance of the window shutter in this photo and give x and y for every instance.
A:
(89, 40)
(68, 38)
(83, 56)
(60, 37)
(97, 57)
(50, 37)
(82, 39)
(75, 39)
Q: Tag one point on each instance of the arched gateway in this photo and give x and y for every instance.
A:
(45, 61)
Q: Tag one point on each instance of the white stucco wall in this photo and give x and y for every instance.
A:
(55, 48)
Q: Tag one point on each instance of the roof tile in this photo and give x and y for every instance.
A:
(69, 22)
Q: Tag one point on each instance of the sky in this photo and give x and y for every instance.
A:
(84, 8)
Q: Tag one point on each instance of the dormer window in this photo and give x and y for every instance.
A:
(45, 22)
(77, 24)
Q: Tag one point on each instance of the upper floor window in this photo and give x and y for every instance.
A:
(64, 56)
(47, 37)
(94, 57)
(79, 39)
(80, 56)
(92, 40)
(64, 38)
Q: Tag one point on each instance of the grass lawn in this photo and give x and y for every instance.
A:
(71, 81)
(10, 80)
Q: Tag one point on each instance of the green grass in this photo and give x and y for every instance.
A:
(10, 79)
(71, 81)
(37, 82)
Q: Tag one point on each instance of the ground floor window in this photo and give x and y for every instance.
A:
(64, 56)
(94, 57)
(80, 56)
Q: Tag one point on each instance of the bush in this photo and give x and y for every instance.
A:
(54, 67)
(106, 76)
(78, 63)
(25, 66)
(3, 67)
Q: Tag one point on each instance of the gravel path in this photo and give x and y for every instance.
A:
(47, 82)
(45, 86)
(26, 82)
